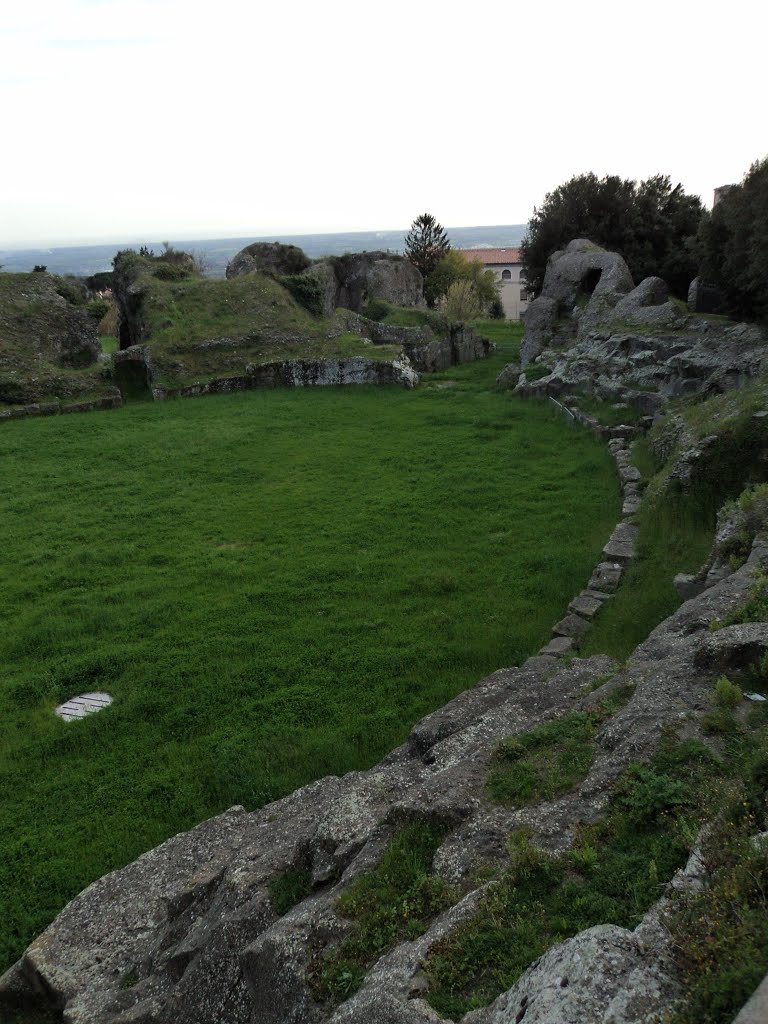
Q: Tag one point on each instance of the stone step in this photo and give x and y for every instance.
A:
(585, 605)
(606, 577)
(559, 647)
(621, 546)
(572, 625)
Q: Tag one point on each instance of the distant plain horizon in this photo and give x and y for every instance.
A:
(157, 238)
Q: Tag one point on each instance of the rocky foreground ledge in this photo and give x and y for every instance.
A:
(189, 933)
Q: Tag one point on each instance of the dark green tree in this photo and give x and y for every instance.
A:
(652, 224)
(425, 245)
(733, 246)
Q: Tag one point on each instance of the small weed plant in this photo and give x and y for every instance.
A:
(290, 888)
(614, 872)
(393, 902)
(550, 760)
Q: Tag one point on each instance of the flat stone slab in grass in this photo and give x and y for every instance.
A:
(606, 577)
(585, 605)
(631, 505)
(597, 595)
(621, 547)
(558, 647)
(571, 625)
(630, 475)
(85, 704)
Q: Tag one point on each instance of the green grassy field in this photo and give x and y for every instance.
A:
(273, 586)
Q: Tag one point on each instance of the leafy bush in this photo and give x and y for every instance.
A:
(170, 271)
(72, 289)
(727, 694)
(98, 308)
(377, 309)
(306, 290)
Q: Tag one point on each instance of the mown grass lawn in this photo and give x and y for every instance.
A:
(273, 586)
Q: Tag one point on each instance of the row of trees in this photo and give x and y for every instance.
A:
(652, 224)
(658, 229)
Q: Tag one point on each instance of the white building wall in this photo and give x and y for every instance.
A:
(511, 290)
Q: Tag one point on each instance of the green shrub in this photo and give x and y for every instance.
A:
(727, 694)
(97, 309)
(306, 290)
(170, 271)
(377, 309)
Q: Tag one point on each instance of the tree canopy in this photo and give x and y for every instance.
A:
(425, 245)
(733, 245)
(653, 225)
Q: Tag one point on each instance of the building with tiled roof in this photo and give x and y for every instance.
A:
(507, 268)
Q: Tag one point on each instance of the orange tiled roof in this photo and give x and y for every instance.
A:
(492, 256)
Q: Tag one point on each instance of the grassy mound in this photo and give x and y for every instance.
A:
(48, 346)
(273, 586)
(200, 329)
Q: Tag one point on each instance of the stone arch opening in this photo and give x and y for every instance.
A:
(506, 275)
(590, 280)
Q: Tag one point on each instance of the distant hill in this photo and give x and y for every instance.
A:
(91, 259)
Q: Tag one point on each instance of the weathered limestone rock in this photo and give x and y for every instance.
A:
(509, 376)
(603, 974)
(558, 647)
(540, 317)
(275, 257)
(349, 281)
(652, 291)
(585, 268)
(300, 373)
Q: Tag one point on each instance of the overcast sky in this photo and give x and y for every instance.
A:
(124, 119)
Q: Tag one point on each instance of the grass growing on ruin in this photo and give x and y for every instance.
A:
(676, 533)
(393, 902)
(273, 586)
(551, 759)
(289, 889)
(614, 872)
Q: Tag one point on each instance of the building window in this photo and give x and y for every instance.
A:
(523, 295)
(506, 275)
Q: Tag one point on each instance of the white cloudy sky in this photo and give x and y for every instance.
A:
(173, 118)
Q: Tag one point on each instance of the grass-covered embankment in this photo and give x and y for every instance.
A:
(274, 586)
(200, 329)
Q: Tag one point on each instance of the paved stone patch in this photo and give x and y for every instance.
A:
(85, 704)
